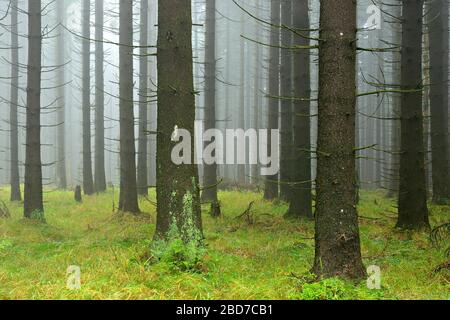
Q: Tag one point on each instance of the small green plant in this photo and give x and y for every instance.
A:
(38, 215)
(178, 255)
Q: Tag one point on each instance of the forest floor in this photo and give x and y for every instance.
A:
(261, 256)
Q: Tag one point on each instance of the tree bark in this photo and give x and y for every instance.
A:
(286, 154)
(61, 76)
(178, 194)
(100, 174)
(210, 170)
(438, 35)
(88, 181)
(271, 184)
(128, 190)
(412, 202)
(142, 169)
(301, 201)
(33, 204)
(337, 242)
(14, 101)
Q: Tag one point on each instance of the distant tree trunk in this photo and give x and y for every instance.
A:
(257, 105)
(33, 205)
(241, 116)
(286, 154)
(301, 201)
(142, 169)
(61, 79)
(178, 195)
(100, 175)
(394, 169)
(210, 171)
(128, 190)
(412, 203)
(271, 184)
(438, 35)
(337, 242)
(88, 181)
(14, 101)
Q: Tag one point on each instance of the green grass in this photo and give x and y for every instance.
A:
(267, 260)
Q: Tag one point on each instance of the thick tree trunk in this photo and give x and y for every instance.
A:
(178, 195)
(100, 175)
(438, 35)
(337, 233)
(128, 189)
(271, 184)
(14, 100)
(301, 201)
(210, 170)
(412, 203)
(88, 181)
(142, 168)
(33, 205)
(61, 130)
(286, 154)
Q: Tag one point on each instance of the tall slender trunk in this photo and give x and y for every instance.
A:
(61, 114)
(412, 202)
(241, 178)
(337, 251)
(88, 181)
(14, 101)
(100, 174)
(438, 35)
(301, 201)
(394, 170)
(128, 185)
(210, 170)
(271, 184)
(286, 154)
(33, 204)
(178, 196)
(142, 168)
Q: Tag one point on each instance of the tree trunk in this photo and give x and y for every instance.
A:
(210, 170)
(301, 201)
(100, 175)
(178, 197)
(142, 169)
(271, 184)
(14, 101)
(438, 35)
(33, 204)
(88, 182)
(128, 190)
(61, 79)
(412, 203)
(337, 251)
(286, 154)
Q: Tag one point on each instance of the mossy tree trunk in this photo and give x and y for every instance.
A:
(128, 186)
(178, 196)
(337, 241)
(33, 204)
(412, 202)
